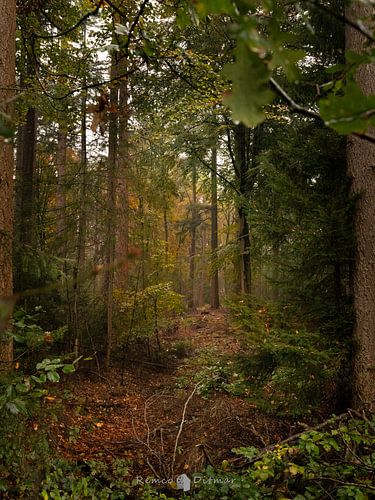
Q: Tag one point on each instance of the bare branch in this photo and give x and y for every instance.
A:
(341, 17)
(313, 114)
(72, 28)
(181, 426)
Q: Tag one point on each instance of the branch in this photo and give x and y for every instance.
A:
(227, 181)
(135, 22)
(341, 17)
(182, 425)
(292, 104)
(91, 85)
(72, 28)
(313, 114)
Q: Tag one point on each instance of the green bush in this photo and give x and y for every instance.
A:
(336, 460)
(143, 314)
(289, 371)
(29, 335)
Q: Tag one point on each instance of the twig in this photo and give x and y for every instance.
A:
(297, 435)
(344, 19)
(181, 426)
(346, 483)
(72, 28)
(313, 114)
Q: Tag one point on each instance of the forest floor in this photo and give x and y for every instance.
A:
(156, 419)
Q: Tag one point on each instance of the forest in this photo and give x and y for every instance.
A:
(187, 249)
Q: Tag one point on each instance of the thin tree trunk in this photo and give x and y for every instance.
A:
(26, 164)
(214, 295)
(111, 214)
(203, 264)
(82, 225)
(166, 236)
(7, 83)
(242, 143)
(60, 191)
(193, 233)
(245, 260)
(361, 161)
(122, 236)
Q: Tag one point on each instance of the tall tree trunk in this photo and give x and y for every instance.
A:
(26, 164)
(60, 191)
(193, 245)
(7, 83)
(111, 215)
(242, 159)
(203, 266)
(82, 223)
(214, 295)
(166, 235)
(122, 237)
(361, 161)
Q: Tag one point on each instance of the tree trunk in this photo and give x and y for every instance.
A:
(193, 245)
(166, 235)
(111, 215)
(60, 191)
(122, 236)
(214, 295)
(26, 163)
(7, 83)
(242, 159)
(360, 162)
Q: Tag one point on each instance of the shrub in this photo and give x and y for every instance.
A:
(291, 370)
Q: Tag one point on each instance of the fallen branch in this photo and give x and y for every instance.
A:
(181, 426)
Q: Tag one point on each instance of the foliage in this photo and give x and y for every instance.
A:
(302, 219)
(94, 479)
(335, 461)
(21, 393)
(27, 332)
(287, 369)
(263, 43)
(143, 313)
(181, 349)
(24, 448)
(24, 453)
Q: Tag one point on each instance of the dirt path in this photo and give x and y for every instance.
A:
(100, 419)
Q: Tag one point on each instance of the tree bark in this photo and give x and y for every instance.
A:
(360, 163)
(214, 295)
(242, 159)
(122, 237)
(193, 244)
(7, 83)
(60, 191)
(111, 215)
(26, 164)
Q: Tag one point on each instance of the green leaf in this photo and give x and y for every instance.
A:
(17, 406)
(205, 7)
(22, 388)
(53, 376)
(69, 369)
(249, 452)
(287, 59)
(249, 76)
(350, 111)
